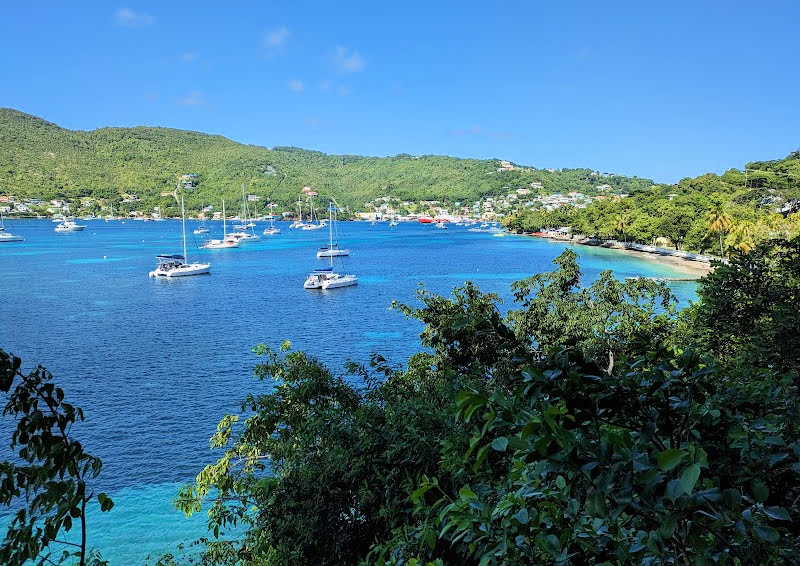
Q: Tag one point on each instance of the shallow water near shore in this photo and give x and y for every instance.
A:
(156, 363)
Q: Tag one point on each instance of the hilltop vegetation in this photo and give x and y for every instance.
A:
(738, 209)
(39, 159)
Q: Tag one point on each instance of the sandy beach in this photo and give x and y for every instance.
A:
(696, 268)
(693, 269)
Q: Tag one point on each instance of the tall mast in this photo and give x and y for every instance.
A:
(330, 232)
(224, 231)
(244, 210)
(183, 229)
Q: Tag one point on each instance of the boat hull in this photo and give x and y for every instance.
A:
(220, 245)
(68, 225)
(332, 253)
(183, 271)
(338, 281)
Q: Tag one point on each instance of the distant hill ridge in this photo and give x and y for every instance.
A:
(41, 159)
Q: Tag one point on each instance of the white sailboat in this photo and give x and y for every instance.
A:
(325, 278)
(332, 249)
(202, 228)
(225, 242)
(299, 222)
(176, 265)
(271, 230)
(311, 225)
(8, 237)
(241, 233)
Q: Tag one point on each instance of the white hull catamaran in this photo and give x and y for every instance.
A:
(332, 249)
(175, 265)
(311, 225)
(7, 237)
(241, 233)
(202, 228)
(271, 230)
(225, 242)
(325, 278)
(299, 222)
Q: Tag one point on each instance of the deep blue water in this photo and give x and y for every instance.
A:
(156, 363)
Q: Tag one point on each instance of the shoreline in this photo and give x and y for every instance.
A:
(692, 267)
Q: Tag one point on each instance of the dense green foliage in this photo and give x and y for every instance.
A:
(41, 160)
(46, 484)
(731, 211)
(587, 425)
(749, 312)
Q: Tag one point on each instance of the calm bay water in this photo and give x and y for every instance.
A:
(156, 363)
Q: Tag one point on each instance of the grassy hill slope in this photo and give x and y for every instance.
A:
(41, 159)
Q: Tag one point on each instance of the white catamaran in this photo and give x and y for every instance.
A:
(8, 236)
(175, 265)
(332, 249)
(244, 232)
(202, 228)
(271, 230)
(325, 278)
(225, 242)
(298, 223)
(311, 225)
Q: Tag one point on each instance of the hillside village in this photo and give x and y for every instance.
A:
(490, 208)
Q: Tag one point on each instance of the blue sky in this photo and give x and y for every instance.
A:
(661, 90)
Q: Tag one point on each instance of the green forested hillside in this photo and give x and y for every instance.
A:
(40, 159)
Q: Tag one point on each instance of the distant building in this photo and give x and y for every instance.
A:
(253, 198)
(533, 186)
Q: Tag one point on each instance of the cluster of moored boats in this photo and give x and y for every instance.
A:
(173, 265)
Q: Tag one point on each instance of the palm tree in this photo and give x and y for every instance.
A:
(622, 223)
(744, 234)
(719, 221)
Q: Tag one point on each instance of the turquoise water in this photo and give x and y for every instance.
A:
(156, 363)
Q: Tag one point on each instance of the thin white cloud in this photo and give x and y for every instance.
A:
(128, 18)
(188, 57)
(314, 122)
(277, 37)
(347, 61)
(295, 86)
(194, 98)
(473, 131)
(274, 42)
